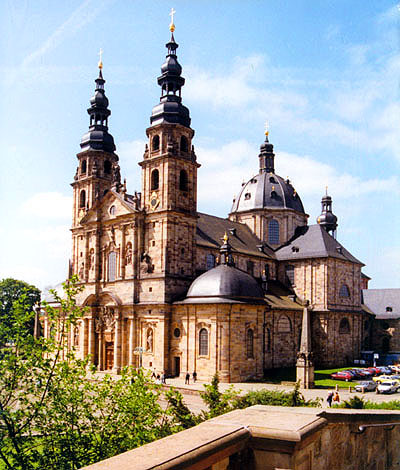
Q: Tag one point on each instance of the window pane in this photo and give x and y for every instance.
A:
(273, 232)
(203, 342)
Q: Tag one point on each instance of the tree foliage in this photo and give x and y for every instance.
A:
(16, 297)
(53, 414)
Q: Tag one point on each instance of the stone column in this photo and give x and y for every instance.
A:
(100, 365)
(91, 350)
(82, 338)
(86, 338)
(304, 364)
(117, 346)
(130, 342)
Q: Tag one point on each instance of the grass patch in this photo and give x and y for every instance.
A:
(322, 379)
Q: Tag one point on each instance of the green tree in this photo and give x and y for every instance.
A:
(13, 294)
(52, 415)
(216, 401)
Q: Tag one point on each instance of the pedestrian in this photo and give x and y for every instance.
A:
(163, 378)
(154, 375)
(194, 376)
(329, 399)
(158, 379)
(187, 378)
(336, 398)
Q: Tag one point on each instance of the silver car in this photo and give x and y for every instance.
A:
(366, 386)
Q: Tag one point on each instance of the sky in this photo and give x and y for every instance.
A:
(323, 74)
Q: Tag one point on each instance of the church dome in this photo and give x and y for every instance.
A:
(225, 282)
(267, 191)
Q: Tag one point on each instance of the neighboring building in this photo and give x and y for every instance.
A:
(385, 304)
(156, 276)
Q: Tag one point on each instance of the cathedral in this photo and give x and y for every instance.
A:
(174, 290)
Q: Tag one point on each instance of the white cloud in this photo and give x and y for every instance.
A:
(48, 205)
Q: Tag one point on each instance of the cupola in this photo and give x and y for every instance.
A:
(98, 137)
(327, 219)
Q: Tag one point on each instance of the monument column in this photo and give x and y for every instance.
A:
(130, 342)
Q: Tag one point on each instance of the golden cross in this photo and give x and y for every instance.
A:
(266, 128)
(172, 26)
(101, 58)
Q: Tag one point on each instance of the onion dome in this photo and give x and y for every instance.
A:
(327, 219)
(170, 109)
(98, 138)
(225, 283)
(267, 190)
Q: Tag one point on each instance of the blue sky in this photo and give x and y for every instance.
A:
(324, 74)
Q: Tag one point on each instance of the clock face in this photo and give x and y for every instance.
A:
(154, 202)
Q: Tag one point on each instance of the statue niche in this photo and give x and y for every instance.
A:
(146, 266)
(106, 319)
(128, 254)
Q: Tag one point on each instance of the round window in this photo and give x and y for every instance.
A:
(177, 332)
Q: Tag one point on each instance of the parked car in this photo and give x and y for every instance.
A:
(364, 373)
(390, 386)
(385, 370)
(374, 370)
(382, 378)
(342, 375)
(354, 373)
(395, 368)
(366, 386)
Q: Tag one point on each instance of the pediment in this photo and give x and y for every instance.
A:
(111, 206)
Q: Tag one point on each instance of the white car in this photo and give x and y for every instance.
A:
(388, 387)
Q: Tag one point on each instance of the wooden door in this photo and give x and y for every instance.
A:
(177, 366)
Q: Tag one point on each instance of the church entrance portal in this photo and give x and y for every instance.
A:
(177, 366)
(109, 355)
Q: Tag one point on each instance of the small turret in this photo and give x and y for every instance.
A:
(327, 219)
(267, 156)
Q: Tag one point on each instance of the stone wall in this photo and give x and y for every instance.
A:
(275, 438)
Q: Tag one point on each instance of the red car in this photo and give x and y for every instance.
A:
(342, 375)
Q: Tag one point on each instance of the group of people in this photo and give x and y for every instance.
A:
(333, 397)
(160, 378)
(187, 377)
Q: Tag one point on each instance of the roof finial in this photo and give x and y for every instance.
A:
(266, 129)
(172, 26)
(326, 190)
(100, 65)
(226, 238)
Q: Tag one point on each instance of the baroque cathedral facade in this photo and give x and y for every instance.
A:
(175, 290)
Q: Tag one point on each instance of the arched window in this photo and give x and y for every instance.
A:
(284, 324)
(273, 232)
(155, 180)
(82, 199)
(83, 166)
(155, 144)
(203, 342)
(289, 270)
(149, 340)
(344, 326)
(210, 261)
(183, 180)
(344, 291)
(250, 267)
(184, 144)
(112, 266)
(107, 167)
(250, 344)
(268, 339)
(112, 210)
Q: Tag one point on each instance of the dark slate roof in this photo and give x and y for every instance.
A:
(378, 299)
(267, 191)
(211, 229)
(314, 241)
(279, 296)
(224, 283)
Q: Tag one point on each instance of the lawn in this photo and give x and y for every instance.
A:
(322, 377)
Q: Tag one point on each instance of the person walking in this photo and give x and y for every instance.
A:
(187, 378)
(336, 398)
(329, 399)
(163, 378)
(194, 376)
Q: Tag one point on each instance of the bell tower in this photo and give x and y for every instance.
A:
(169, 181)
(98, 168)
